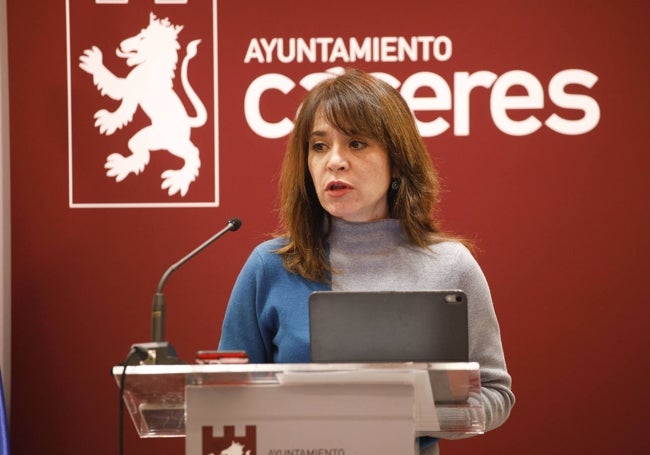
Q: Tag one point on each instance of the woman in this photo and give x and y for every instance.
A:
(358, 193)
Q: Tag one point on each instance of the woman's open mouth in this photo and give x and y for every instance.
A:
(337, 188)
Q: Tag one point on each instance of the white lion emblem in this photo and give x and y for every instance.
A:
(153, 53)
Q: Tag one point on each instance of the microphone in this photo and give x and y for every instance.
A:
(159, 351)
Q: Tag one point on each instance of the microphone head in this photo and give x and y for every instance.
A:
(235, 223)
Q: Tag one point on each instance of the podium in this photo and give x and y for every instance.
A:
(333, 409)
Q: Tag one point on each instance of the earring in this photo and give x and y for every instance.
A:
(394, 184)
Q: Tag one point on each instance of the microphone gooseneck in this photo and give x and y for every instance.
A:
(232, 225)
(158, 307)
(158, 351)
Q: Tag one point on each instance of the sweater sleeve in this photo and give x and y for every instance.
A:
(242, 328)
(485, 342)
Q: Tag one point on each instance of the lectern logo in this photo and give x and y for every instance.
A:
(229, 443)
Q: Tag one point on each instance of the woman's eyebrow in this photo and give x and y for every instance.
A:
(317, 133)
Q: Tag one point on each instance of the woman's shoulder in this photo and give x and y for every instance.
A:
(267, 250)
(454, 251)
(271, 245)
(451, 247)
(263, 260)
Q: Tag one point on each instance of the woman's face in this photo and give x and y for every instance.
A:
(351, 174)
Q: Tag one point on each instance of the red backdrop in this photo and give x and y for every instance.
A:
(561, 220)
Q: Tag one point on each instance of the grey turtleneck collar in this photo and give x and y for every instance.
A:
(376, 256)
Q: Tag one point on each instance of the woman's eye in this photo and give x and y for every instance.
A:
(357, 145)
(318, 147)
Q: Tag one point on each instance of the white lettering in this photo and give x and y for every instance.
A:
(339, 51)
(464, 83)
(427, 42)
(565, 100)
(501, 102)
(389, 79)
(252, 99)
(375, 48)
(513, 91)
(345, 50)
(254, 52)
(407, 49)
(286, 55)
(442, 48)
(360, 52)
(388, 49)
(440, 102)
(324, 43)
(268, 48)
(307, 51)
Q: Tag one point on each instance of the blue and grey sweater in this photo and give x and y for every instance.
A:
(267, 314)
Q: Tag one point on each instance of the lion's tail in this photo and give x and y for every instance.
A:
(201, 113)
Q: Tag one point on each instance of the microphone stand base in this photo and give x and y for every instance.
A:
(153, 353)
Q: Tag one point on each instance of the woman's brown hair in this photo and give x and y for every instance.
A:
(355, 103)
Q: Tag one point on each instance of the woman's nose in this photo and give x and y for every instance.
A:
(337, 160)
